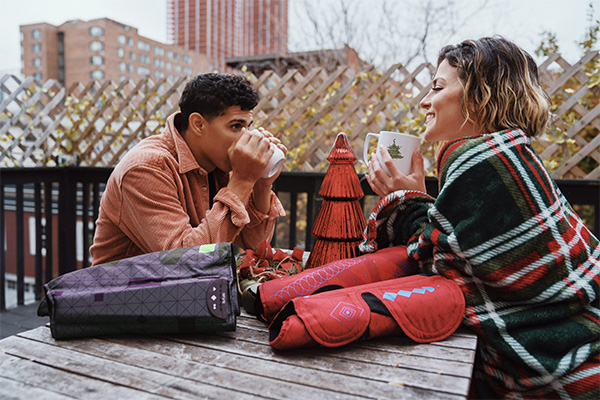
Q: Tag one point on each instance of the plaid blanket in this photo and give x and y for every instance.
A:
(526, 263)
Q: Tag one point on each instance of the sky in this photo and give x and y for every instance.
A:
(518, 20)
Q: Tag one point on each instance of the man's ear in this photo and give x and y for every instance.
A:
(196, 123)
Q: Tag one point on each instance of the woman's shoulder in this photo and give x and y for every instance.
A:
(475, 149)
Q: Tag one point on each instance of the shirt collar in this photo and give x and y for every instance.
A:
(187, 161)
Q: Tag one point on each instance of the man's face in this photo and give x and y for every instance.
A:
(218, 136)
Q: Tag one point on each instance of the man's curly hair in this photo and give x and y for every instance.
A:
(211, 94)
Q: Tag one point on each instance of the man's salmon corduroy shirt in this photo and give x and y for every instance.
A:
(157, 198)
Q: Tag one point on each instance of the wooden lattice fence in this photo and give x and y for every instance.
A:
(94, 124)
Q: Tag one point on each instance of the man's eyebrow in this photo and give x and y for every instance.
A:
(240, 121)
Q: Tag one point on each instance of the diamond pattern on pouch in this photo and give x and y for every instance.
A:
(406, 293)
(347, 314)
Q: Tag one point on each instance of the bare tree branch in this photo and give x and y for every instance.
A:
(383, 32)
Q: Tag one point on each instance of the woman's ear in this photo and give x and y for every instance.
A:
(196, 123)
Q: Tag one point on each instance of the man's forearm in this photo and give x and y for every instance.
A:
(241, 188)
(262, 198)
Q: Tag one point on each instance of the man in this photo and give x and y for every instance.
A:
(198, 182)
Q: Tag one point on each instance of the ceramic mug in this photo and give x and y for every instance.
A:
(275, 162)
(400, 146)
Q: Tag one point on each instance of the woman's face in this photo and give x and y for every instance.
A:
(444, 118)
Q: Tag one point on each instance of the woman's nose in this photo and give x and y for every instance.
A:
(425, 102)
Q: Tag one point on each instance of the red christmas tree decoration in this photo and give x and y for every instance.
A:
(340, 224)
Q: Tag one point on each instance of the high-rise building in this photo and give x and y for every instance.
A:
(101, 49)
(229, 28)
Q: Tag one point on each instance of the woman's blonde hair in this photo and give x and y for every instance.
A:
(501, 89)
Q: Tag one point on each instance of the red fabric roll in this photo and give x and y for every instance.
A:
(384, 264)
(425, 308)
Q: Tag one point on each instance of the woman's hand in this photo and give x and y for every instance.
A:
(384, 184)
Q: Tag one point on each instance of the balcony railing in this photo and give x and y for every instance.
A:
(48, 216)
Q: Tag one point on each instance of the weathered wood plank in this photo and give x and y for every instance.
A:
(212, 374)
(138, 377)
(369, 364)
(51, 380)
(345, 383)
(420, 357)
(326, 378)
(10, 389)
(237, 364)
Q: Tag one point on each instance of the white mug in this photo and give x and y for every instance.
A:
(275, 162)
(400, 146)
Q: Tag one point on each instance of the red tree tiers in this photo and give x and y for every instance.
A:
(340, 223)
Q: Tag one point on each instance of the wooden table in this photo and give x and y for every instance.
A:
(233, 365)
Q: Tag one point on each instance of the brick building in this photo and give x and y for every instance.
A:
(101, 49)
(229, 28)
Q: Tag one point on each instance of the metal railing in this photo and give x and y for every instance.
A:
(48, 216)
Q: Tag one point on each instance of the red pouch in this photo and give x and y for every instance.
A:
(425, 308)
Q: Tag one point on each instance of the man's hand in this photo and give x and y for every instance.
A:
(262, 188)
(249, 157)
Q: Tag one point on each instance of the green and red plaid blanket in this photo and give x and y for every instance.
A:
(526, 263)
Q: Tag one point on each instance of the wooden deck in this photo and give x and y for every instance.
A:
(233, 365)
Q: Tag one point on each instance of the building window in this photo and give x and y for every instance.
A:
(176, 56)
(129, 42)
(132, 56)
(122, 78)
(187, 71)
(143, 71)
(178, 68)
(22, 50)
(122, 39)
(22, 36)
(170, 54)
(159, 74)
(159, 63)
(187, 59)
(168, 66)
(122, 67)
(130, 68)
(36, 34)
(97, 75)
(61, 60)
(96, 46)
(37, 76)
(61, 75)
(37, 62)
(159, 51)
(96, 31)
(37, 48)
(120, 52)
(144, 59)
(97, 60)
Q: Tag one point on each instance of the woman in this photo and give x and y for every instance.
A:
(500, 228)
